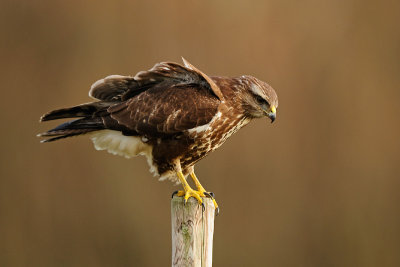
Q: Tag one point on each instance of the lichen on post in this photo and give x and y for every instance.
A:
(192, 232)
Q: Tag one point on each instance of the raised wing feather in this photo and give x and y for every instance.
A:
(112, 87)
(117, 87)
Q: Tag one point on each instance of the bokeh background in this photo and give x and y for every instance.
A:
(319, 187)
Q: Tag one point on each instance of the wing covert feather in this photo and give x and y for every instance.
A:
(166, 109)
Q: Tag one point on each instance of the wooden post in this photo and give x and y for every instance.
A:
(192, 232)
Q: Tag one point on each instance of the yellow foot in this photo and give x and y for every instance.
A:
(190, 193)
(198, 195)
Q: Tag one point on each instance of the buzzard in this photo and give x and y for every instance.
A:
(173, 114)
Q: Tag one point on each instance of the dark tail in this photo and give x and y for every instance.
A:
(84, 110)
(90, 121)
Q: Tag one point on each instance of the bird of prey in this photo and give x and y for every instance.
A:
(172, 114)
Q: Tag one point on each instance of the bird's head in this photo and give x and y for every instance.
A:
(259, 98)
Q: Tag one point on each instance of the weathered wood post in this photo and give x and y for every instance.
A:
(192, 232)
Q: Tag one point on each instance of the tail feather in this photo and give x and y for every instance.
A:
(73, 128)
(84, 110)
(59, 137)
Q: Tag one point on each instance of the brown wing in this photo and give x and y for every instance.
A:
(117, 87)
(167, 108)
(167, 99)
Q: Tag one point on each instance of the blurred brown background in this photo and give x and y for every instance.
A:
(319, 187)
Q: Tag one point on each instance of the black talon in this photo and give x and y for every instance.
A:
(207, 194)
(203, 207)
(174, 193)
(217, 211)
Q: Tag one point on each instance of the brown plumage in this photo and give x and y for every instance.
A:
(173, 114)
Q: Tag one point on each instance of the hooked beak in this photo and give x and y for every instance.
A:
(272, 114)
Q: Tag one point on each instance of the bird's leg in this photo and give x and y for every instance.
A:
(202, 191)
(199, 187)
(187, 190)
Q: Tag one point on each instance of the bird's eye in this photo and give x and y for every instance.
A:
(261, 100)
